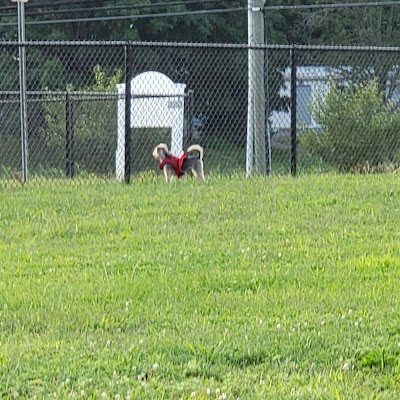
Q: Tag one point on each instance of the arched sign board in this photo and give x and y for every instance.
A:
(157, 102)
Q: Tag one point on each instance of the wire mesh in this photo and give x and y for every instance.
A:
(349, 100)
(342, 116)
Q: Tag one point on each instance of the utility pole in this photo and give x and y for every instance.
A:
(259, 94)
(256, 149)
(22, 88)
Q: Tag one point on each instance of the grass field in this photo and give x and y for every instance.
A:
(274, 288)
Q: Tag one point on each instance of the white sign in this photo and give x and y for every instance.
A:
(157, 102)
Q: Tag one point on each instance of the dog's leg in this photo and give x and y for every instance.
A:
(201, 177)
(168, 173)
(201, 174)
(193, 171)
(198, 172)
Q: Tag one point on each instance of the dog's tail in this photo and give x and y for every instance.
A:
(195, 150)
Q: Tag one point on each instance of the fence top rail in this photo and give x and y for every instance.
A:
(12, 96)
(75, 43)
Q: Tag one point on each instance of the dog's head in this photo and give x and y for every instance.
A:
(160, 152)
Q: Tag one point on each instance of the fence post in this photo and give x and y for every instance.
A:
(293, 111)
(69, 136)
(128, 110)
(23, 89)
(189, 109)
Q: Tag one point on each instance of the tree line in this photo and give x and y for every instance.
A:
(377, 25)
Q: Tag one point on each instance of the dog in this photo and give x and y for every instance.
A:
(190, 161)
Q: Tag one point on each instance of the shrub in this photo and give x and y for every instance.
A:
(359, 127)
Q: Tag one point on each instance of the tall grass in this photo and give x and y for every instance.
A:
(263, 288)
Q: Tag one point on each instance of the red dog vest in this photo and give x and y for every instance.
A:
(175, 162)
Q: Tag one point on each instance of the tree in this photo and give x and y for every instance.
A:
(348, 26)
(376, 26)
(225, 27)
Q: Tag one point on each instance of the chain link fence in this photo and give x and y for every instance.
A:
(315, 109)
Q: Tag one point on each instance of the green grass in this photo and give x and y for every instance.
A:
(266, 288)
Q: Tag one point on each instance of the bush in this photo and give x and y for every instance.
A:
(359, 127)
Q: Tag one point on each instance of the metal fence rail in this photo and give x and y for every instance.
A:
(326, 108)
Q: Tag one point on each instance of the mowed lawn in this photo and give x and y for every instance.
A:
(264, 288)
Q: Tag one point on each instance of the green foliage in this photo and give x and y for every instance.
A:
(104, 83)
(359, 128)
(341, 26)
(369, 25)
(379, 358)
(94, 124)
(225, 27)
